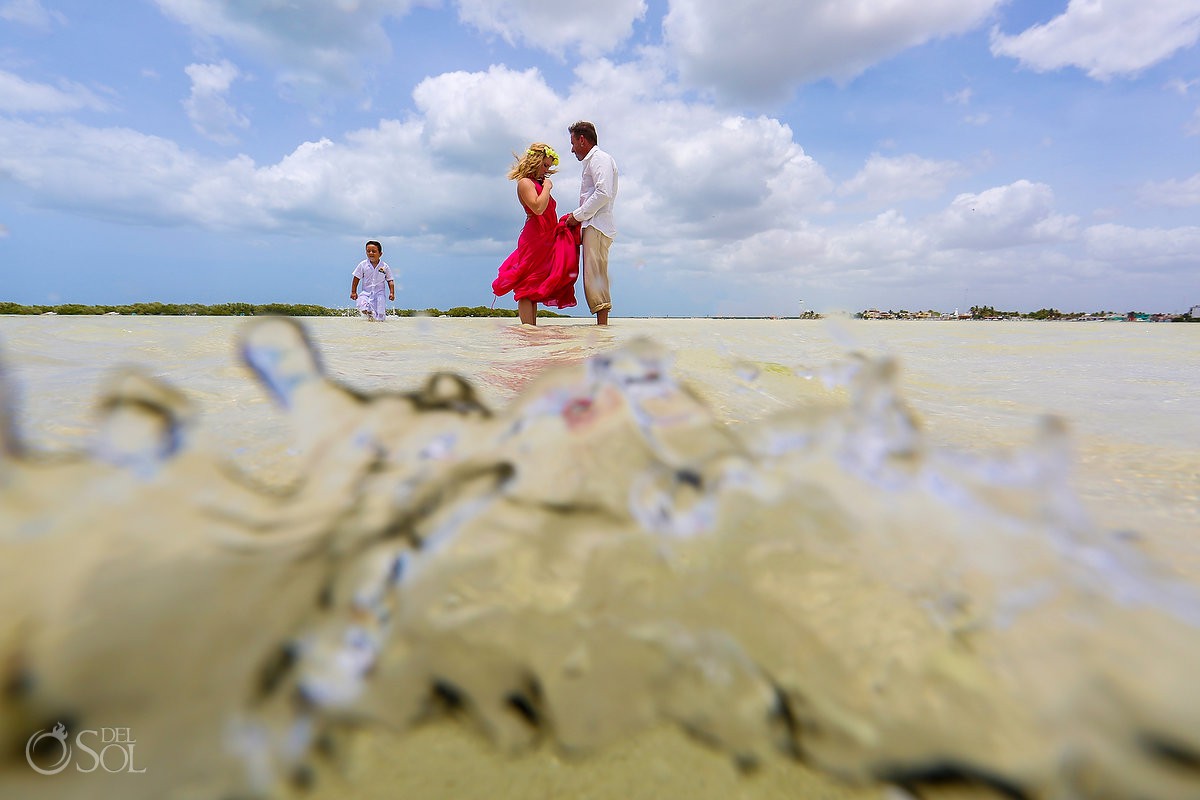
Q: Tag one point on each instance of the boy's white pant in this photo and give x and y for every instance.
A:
(373, 303)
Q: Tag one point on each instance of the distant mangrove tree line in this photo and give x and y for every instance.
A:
(251, 310)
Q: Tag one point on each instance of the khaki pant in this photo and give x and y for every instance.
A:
(595, 269)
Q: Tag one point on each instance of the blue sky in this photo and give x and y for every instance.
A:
(884, 153)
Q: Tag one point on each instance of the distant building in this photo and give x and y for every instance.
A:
(1195, 312)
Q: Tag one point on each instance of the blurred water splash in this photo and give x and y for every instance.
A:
(593, 559)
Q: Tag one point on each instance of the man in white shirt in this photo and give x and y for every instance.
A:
(597, 193)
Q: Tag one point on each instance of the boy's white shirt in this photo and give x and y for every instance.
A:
(371, 278)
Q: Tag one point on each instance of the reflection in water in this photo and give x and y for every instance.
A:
(595, 558)
(527, 351)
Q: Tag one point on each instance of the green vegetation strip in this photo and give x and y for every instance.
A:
(252, 310)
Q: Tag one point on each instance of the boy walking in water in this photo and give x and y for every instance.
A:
(370, 277)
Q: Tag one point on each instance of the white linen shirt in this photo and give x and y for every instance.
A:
(372, 279)
(598, 192)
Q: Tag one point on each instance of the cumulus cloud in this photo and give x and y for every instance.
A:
(887, 180)
(316, 46)
(1105, 39)
(886, 239)
(322, 186)
(1004, 216)
(762, 49)
(1145, 249)
(686, 168)
(208, 107)
(592, 28)
(471, 117)
(19, 96)
(731, 196)
(1173, 193)
(418, 178)
(32, 14)
(898, 257)
(721, 177)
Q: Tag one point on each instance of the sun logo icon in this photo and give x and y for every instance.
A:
(59, 734)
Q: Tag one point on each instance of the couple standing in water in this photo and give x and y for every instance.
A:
(546, 262)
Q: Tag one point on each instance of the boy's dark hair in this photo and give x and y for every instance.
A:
(585, 129)
(377, 244)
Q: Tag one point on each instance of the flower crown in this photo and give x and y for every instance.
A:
(548, 151)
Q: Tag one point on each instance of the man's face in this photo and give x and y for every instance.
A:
(579, 146)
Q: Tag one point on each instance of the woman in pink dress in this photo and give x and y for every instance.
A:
(545, 264)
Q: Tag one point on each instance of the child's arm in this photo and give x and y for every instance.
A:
(354, 288)
(391, 290)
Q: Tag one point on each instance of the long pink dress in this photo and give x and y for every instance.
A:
(545, 264)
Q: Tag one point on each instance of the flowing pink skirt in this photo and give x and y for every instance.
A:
(545, 264)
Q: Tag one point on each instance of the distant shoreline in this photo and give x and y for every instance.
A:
(311, 310)
(244, 310)
(988, 314)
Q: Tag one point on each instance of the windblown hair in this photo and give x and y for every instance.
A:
(528, 165)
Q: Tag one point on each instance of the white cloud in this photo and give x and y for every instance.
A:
(734, 198)
(592, 28)
(364, 182)
(686, 168)
(1181, 86)
(886, 180)
(207, 106)
(1145, 249)
(1105, 39)
(1004, 216)
(31, 13)
(961, 97)
(19, 96)
(888, 239)
(703, 174)
(317, 46)
(802, 250)
(895, 258)
(1173, 193)
(762, 49)
(417, 178)
(471, 119)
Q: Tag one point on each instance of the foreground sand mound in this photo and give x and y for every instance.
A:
(597, 559)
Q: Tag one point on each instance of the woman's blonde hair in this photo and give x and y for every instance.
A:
(528, 165)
